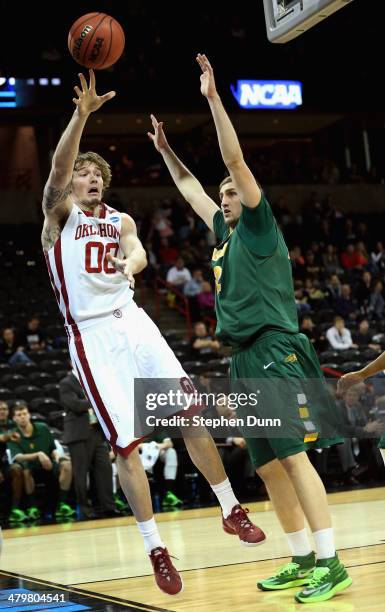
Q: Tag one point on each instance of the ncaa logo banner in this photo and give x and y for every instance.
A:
(280, 95)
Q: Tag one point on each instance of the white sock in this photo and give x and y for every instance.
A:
(150, 533)
(226, 497)
(299, 543)
(324, 543)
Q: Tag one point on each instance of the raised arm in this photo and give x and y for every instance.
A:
(56, 200)
(247, 187)
(135, 259)
(188, 185)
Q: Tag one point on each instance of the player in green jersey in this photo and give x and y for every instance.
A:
(353, 378)
(256, 314)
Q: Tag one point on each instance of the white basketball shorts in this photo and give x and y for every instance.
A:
(108, 354)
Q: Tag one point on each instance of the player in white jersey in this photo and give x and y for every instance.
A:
(92, 253)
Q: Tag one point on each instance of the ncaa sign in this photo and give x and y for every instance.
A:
(268, 94)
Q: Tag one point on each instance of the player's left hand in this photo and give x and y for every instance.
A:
(208, 88)
(348, 380)
(123, 266)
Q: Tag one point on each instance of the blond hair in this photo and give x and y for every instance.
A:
(93, 158)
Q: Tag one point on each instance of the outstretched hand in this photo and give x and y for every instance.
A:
(123, 266)
(158, 137)
(88, 100)
(348, 380)
(208, 88)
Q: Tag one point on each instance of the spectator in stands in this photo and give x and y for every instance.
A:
(364, 289)
(206, 299)
(339, 336)
(309, 328)
(167, 253)
(351, 258)
(161, 451)
(345, 305)
(376, 306)
(88, 449)
(33, 337)
(330, 261)
(349, 231)
(297, 262)
(359, 429)
(178, 275)
(363, 336)
(330, 173)
(188, 253)
(203, 343)
(10, 348)
(316, 297)
(362, 253)
(311, 266)
(151, 271)
(42, 464)
(301, 297)
(333, 289)
(13, 472)
(191, 290)
(377, 258)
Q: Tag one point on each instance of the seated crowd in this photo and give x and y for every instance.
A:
(53, 454)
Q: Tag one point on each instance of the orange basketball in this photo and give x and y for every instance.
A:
(96, 40)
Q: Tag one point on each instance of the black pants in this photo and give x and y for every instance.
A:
(92, 455)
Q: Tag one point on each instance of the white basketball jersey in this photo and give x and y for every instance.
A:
(85, 283)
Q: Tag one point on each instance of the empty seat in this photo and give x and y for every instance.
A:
(27, 392)
(60, 374)
(13, 380)
(350, 366)
(5, 394)
(45, 405)
(194, 367)
(51, 365)
(41, 378)
(52, 390)
(25, 368)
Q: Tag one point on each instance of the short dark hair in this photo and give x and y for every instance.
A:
(18, 406)
(226, 180)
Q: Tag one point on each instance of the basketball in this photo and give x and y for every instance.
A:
(96, 40)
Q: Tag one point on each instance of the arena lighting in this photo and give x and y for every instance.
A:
(7, 93)
(279, 95)
(43, 81)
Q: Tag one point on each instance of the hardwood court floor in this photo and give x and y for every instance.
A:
(106, 558)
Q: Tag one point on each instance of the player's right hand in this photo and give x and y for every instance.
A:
(158, 138)
(88, 100)
(348, 380)
(123, 266)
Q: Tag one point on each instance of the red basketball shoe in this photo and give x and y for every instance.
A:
(238, 523)
(166, 576)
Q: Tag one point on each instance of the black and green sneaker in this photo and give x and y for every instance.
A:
(64, 510)
(328, 578)
(17, 516)
(170, 499)
(293, 574)
(119, 503)
(33, 513)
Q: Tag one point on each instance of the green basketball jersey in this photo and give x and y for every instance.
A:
(253, 277)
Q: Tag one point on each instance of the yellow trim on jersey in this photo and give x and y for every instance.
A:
(218, 253)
